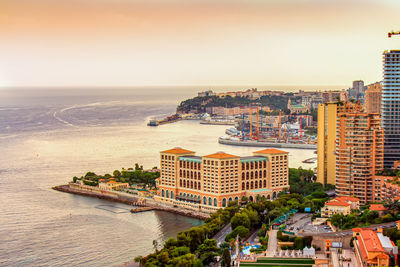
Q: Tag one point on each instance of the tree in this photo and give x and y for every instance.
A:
(240, 219)
(226, 257)
(155, 245)
(207, 251)
(139, 259)
(116, 173)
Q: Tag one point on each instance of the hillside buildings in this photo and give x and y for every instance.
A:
(210, 182)
(359, 154)
(390, 109)
(373, 98)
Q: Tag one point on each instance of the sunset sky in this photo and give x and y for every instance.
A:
(194, 42)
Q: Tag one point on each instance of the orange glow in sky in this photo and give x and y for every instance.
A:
(194, 42)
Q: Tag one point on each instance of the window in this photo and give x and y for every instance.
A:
(215, 202)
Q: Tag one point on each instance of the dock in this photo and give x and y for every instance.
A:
(141, 209)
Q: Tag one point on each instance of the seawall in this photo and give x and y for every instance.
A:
(124, 198)
(265, 144)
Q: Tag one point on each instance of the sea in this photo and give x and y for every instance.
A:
(48, 135)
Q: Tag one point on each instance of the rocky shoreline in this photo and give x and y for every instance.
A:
(130, 201)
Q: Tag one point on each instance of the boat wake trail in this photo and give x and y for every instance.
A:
(55, 115)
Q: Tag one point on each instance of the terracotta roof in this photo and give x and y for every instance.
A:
(377, 207)
(337, 203)
(364, 253)
(271, 151)
(177, 150)
(371, 241)
(351, 199)
(221, 155)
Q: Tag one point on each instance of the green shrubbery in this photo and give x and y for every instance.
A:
(131, 176)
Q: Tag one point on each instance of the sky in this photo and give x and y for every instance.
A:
(194, 42)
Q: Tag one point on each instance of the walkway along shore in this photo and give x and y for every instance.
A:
(126, 199)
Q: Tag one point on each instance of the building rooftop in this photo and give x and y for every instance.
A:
(351, 199)
(177, 150)
(377, 207)
(371, 241)
(335, 202)
(271, 151)
(221, 155)
(252, 159)
(190, 158)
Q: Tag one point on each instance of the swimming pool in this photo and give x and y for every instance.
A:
(246, 249)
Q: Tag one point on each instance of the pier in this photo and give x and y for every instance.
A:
(141, 209)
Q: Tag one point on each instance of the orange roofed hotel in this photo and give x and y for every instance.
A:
(210, 182)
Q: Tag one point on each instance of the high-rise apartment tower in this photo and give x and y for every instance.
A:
(390, 107)
(327, 117)
(359, 154)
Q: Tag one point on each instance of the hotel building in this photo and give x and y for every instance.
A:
(390, 109)
(327, 114)
(210, 182)
(359, 154)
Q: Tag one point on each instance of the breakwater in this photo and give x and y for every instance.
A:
(264, 144)
(124, 198)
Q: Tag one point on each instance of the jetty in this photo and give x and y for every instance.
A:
(141, 209)
(139, 204)
(256, 143)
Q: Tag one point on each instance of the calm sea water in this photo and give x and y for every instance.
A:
(47, 136)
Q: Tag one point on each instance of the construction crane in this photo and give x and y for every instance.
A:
(393, 33)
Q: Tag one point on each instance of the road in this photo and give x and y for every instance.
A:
(335, 258)
(272, 243)
(220, 236)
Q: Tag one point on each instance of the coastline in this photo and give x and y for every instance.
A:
(114, 197)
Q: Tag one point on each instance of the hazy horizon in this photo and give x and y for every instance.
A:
(194, 42)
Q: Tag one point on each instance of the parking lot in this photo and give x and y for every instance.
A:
(301, 222)
(309, 228)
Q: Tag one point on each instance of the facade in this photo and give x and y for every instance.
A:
(373, 248)
(210, 182)
(373, 98)
(359, 154)
(327, 114)
(112, 185)
(390, 108)
(387, 188)
(298, 108)
(357, 91)
(340, 205)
